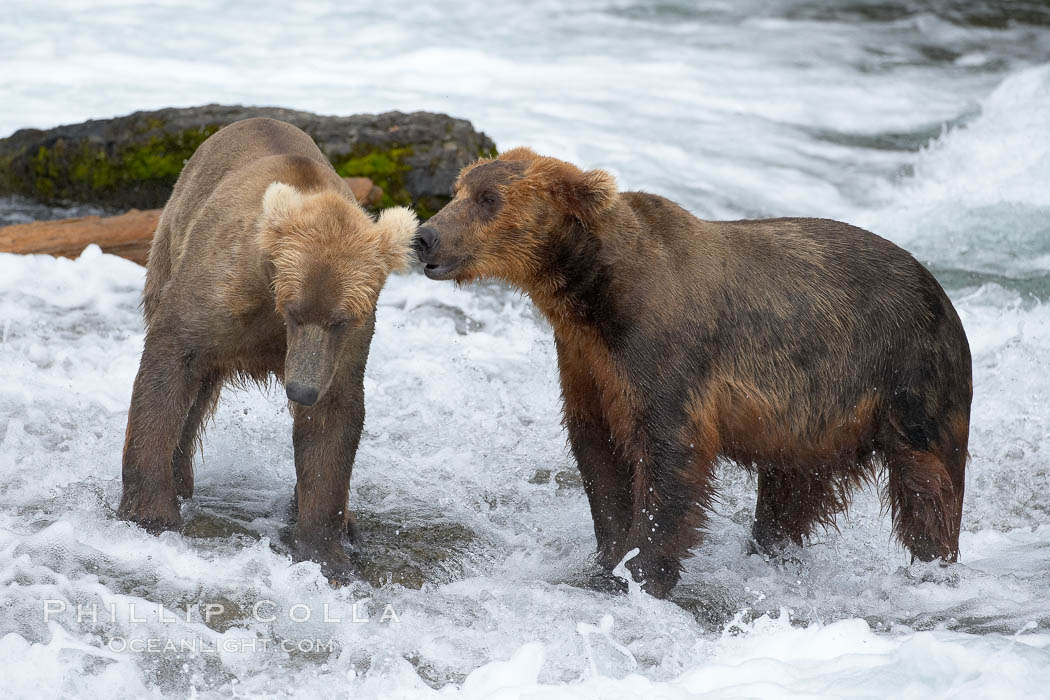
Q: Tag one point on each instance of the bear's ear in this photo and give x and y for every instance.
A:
(397, 227)
(279, 202)
(585, 195)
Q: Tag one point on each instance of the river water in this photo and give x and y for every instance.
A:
(926, 122)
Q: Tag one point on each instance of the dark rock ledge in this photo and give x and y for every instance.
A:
(133, 161)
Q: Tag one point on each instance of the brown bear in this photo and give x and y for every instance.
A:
(806, 350)
(262, 264)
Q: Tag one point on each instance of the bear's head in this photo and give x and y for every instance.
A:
(326, 259)
(509, 215)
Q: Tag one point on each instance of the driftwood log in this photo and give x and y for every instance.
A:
(127, 235)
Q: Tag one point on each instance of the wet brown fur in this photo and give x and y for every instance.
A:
(263, 265)
(807, 350)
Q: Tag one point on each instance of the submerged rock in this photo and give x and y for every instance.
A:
(408, 550)
(133, 161)
(210, 526)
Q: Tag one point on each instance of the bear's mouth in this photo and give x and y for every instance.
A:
(441, 272)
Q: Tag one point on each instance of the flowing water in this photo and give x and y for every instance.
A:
(926, 122)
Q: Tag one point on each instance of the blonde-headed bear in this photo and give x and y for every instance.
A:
(263, 265)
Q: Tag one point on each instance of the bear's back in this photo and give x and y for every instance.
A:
(765, 261)
(238, 145)
(746, 295)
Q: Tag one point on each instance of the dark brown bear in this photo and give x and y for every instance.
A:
(262, 264)
(807, 350)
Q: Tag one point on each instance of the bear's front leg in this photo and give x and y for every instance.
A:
(607, 481)
(672, 491)
(352, 533)
(182, 461)
(325, 437)
(165, 387)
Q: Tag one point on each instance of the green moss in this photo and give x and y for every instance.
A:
(162, 157)
(136, 174)
(42, 169)
(384, 167)
(142, 171)
(7, 179)
(152, 162)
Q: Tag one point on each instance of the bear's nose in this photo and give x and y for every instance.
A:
(301, 393)
(426, 242)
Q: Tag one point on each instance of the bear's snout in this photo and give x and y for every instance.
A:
(426, 243)
(301, 393)
(437, 264)
(310, 362)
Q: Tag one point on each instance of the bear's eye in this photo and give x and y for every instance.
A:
(338, 324)
(487, 198)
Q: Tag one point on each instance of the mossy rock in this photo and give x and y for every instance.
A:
(131, 175)
(133, 161)
(385, 168)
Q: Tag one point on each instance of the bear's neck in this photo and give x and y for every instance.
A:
(577, 292)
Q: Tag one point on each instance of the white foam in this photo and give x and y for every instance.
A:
(978, 197)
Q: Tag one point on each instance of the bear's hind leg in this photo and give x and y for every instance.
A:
(791, 502)
(925, 497)
(923, 444)
(182, 460)
(164, 390)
